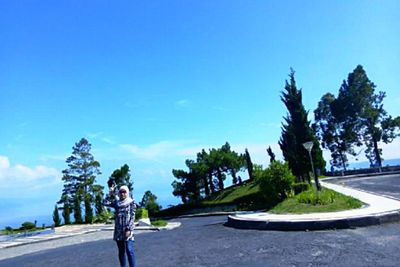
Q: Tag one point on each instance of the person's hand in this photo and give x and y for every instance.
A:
(127, 234)
(111, 190)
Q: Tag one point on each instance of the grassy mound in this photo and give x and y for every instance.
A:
(311, 201)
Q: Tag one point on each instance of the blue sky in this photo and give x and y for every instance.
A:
(151, 83)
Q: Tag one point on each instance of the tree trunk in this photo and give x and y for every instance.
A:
(234, 178)
(211, 183)
(220, 180)
(206, 187)
(343, 162)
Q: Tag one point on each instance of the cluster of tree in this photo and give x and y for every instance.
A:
(80, 186)
(80, 191)
(207, 174)
(354, 118)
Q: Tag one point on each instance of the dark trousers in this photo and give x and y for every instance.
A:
(128, 248)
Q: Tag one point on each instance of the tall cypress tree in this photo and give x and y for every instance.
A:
(66, 213)
(77, 209)
(249, 164)
(56, 216)
(295, 131)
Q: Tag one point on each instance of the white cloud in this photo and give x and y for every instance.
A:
(28, 180)
(392, 150)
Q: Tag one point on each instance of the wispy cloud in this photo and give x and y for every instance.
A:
(188, 149)
(101, 137)
(182, 103)
(158, 150)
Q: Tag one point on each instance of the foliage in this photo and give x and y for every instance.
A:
(159, 223)
(141, 213)
(98, 198)
(149, 202)
(88, 209)
(311, 201)
(297, 131)
(66, 213)
(249, 164)
(103, 217)
(271, 155)
(276, 181)
(80, 182)
(28, 226)
(334, 134)
(300, 187)
(77, 209)
(355, 117)
(122, 177)
(207, 174)
(56, 217)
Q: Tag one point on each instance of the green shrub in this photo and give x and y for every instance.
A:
(159, 223)
(276, 182)
(300, 187)
(313, 197)
(104, 217)
(141, 213)
(28, 226)
(8, 230)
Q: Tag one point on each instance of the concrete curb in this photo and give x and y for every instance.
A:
(342, 223)
(54, 236)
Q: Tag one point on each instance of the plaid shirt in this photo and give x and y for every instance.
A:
(124, 218)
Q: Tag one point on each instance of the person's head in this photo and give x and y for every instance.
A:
(123, 192)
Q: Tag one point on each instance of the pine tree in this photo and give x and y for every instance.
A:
(363, 114)
(295, 131)
(79, 180)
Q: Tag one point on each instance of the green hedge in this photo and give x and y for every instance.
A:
(141, 213)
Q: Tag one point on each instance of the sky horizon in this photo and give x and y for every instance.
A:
(150, 84)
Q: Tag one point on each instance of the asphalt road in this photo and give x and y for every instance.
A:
(387, 185)
(205, 241)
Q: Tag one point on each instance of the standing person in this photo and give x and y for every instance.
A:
(125, 208)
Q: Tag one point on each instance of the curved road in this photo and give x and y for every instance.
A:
(387, 185)
(205, 241)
